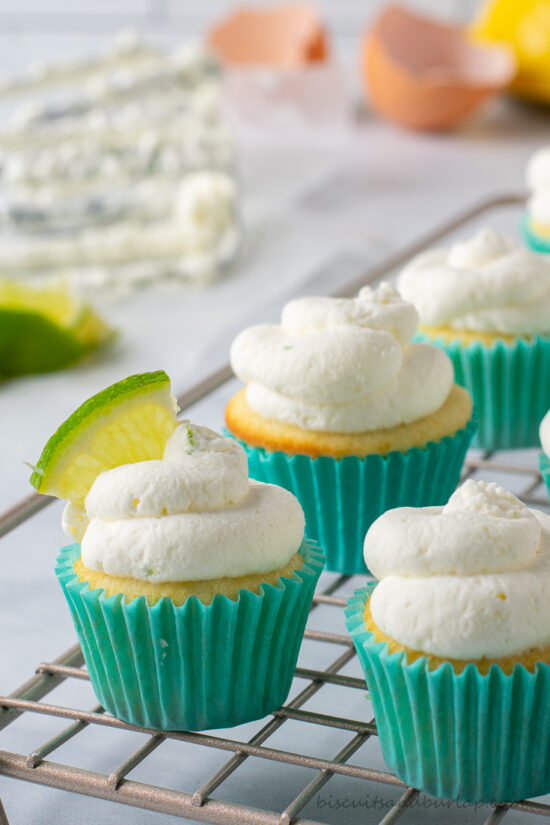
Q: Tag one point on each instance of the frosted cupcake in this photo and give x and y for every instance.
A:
(343, 410)
(536, 220)
(455, 644)
(190, 584)
(486, 303)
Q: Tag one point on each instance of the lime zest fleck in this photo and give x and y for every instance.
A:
(190, 435)
(288, 346)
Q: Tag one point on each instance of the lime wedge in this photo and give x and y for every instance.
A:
(128, 422)
(43, 329)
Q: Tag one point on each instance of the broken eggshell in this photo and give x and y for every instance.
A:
(278, 73)
(283, 35)
(426, 75)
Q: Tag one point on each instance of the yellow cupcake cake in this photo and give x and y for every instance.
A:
(271, 434)
(178, 592)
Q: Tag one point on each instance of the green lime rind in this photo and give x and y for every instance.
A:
(101, 404)
(32, 343)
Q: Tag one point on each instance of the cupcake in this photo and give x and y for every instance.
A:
(486, 303)
(455, 644)
(536, 219)
(189, 584)
(344, 411)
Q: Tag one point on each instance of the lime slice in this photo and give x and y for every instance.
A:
(43, 329)
(128, 422)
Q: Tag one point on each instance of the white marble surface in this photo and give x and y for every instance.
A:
(349, 197)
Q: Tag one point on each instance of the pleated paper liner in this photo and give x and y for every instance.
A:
(192, 667)
(538, 243)
(510, 385)
(462, 736)
(544, 465)
(342, 497)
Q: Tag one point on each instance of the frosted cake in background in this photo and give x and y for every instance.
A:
(119, 168)
(536, 220)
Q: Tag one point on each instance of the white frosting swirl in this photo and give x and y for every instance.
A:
(544, 433)
(192, 515)
(538, 169)
(464, 581)
(484, 284)
(538, 183)
(538, 207)
(342, 365)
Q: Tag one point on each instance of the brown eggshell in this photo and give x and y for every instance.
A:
(286, 35)
(426, 75)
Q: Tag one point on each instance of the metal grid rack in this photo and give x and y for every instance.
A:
(200, 805)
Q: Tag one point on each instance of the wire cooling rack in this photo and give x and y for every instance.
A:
(348, 736)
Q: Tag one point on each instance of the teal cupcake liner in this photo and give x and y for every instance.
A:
(462, 736)
(510, 385)
(192, 667)
(537, 242)
(544, 465)
(342, 497)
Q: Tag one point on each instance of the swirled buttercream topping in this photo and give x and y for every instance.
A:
(538, 183)
(194, 514)
(342, 365)
(544, 433)
(538, 207)
(538, 169)
(484, 283)
(465, 581)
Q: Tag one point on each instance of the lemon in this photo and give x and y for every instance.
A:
(43, 329)
(524, 25)
(128, 422)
